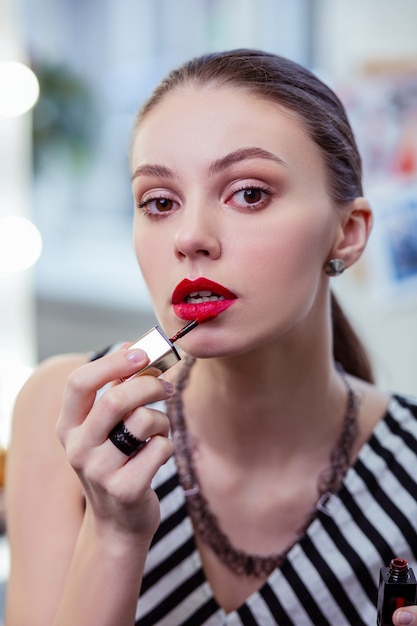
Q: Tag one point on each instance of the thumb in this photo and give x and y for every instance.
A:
(407, 616)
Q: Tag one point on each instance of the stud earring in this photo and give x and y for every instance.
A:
(335, 267)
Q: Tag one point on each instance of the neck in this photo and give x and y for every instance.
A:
(255, 403)
(285, 396)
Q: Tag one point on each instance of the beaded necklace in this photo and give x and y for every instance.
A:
(205, 521)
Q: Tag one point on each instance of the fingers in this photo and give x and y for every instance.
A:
(145, 464)
(125, 401)
(117, 486)
(84, 382)
(140, 427)
(102, 459)
(85, 423)
(407, 615)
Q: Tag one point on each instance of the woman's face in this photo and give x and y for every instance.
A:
(233, 218)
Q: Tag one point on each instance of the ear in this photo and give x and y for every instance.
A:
(353, 233)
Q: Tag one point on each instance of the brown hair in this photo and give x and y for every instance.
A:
(321, 112)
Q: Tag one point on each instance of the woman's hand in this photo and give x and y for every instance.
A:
(407, 615)
(119, 497)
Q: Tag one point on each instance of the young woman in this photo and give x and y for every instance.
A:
(273, 480)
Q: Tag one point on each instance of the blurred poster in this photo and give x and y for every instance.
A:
(383, 112)
(393, 245)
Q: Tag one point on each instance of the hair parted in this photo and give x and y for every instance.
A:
(323, 116)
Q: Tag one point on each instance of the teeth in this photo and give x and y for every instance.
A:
(201, 294)
(196, 297)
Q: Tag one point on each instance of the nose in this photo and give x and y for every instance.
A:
(197, 233)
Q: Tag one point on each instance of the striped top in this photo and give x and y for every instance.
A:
(330, 576)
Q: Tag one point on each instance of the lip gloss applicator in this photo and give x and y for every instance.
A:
(160, 348)
(186, 329)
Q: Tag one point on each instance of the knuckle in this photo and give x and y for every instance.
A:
(146, 417)
(76, 458)
(60, 432)
(77, 464)
(92, 469)
(153, 385)
(79, 455)
(166, 448)
(114, 488)
(113, 399)
(164, 422)
(76, 380)
(93, 472)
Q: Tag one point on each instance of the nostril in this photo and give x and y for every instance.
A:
(200, 252)
(196, 240)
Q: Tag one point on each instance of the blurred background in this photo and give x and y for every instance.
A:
(72, 76)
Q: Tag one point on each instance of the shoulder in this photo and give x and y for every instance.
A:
(395, 424)
(34, 452)
(53, 373)
(42, 490)
(377, 407)
(403, 410)
(39, 401)
(408, 402)
(59, 365)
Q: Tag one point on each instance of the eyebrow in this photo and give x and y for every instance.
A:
(153, 170)
(242, 154)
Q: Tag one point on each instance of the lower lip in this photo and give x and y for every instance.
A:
(201, 311)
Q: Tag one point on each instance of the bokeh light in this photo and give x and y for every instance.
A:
(20, 244)
(19, 89)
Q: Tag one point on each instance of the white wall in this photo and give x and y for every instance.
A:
(351, 32)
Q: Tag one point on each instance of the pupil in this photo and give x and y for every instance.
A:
(163, 204)
(252, 195)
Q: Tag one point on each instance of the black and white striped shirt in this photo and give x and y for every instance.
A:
(330, 576)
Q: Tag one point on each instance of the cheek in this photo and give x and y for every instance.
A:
(140, 247)
(149, 257)
(287, 272)
(288, 252)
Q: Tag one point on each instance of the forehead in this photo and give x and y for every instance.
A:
(214, 119)
(210, 103)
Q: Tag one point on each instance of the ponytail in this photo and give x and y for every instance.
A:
(347, 347)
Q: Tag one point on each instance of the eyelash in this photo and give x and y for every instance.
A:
(250, 187)
(145, 204)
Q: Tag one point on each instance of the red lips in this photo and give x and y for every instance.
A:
(200, 299)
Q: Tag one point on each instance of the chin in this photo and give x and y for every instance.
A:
(211, 351)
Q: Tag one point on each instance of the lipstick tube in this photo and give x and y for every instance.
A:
(160, 350)
(397, 588)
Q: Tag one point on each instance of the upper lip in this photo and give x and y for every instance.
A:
(187, 286)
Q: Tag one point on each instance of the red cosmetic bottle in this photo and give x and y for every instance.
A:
(397, 588)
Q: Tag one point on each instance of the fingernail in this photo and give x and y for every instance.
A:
(135, 356)
(404, 617)
(169, 388)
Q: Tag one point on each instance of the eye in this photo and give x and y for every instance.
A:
(250, 196)
(156, 205)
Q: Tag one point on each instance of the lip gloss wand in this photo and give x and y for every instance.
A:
(160, 348)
